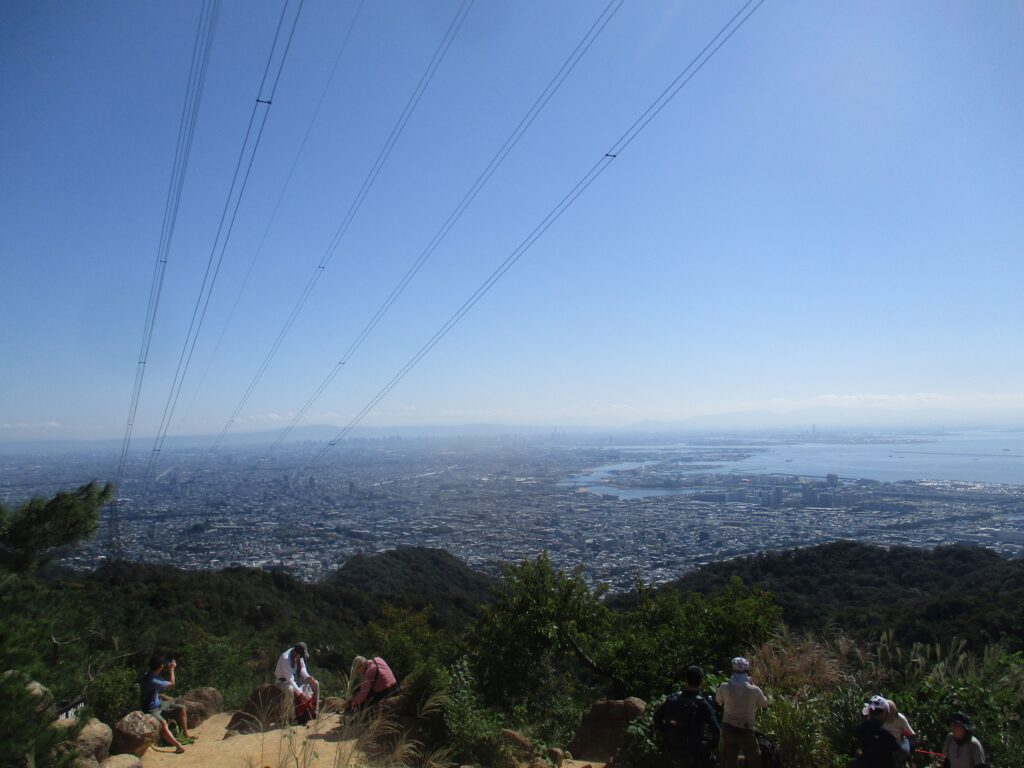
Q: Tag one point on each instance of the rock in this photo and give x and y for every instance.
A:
(331, 705)
(122, 761)
(266, 707)
(519, 743)
(93, 741)
(556, 756)
(199, 705)
(85, 762)
(42, 695)
(603, 728)
(134, 734)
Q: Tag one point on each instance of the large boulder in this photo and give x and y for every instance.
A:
(521, 746)
(199, 704)
(268, 706)
(134, 734)
(603, 728)
(122, 761)
(92, 744)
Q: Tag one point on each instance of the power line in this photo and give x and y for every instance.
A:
(623, 142)
(273, 215)
(261, 107)
(353, 209)
(186, 130)
(517, 133)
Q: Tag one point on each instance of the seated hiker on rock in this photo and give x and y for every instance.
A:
(878, 747)
(376, 682)
(152, 684)
(293, 678)
(740, 700)
(962, 750)
(687, 724)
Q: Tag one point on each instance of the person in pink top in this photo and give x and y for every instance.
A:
(377, 682)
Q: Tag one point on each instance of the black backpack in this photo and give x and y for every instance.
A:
(769, 752)
(686, 718)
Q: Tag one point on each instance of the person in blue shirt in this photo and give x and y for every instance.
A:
(152, 685)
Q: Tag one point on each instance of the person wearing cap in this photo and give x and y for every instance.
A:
(376, 682)
(152, 685)
(962, 749)
(740, 700)
(292, 677)
(878, 747)
(687, 724)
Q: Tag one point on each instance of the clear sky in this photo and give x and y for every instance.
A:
(828, 222)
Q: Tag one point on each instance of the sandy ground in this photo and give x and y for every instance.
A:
(296, 746)
(318, 745)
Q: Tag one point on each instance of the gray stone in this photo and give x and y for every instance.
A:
(603, 728)
(266, 707)
(135, 733)
(122, 761)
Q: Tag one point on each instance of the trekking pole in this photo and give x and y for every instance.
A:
(929, 754)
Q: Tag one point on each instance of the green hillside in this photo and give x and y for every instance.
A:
(924, 595)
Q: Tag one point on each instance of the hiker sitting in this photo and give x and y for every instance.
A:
(878, 747)
(740, 700)
(962, 749)
(376, 682)
(687, 724)
(152, 684)
(293, 678)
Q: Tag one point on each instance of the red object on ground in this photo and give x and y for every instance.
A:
(305, 707)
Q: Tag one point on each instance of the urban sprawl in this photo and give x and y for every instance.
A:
(622, 514)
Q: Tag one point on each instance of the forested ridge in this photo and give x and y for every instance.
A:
(922, 595)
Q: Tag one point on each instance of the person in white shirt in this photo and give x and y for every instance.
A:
(292, 677)
(740, 699)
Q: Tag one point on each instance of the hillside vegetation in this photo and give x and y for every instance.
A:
(923, 595)
(825, 627)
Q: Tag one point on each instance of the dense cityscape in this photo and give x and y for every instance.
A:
(652, 512)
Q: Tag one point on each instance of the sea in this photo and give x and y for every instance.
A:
(974, 457)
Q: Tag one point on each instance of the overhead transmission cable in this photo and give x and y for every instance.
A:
(353, 209)
(277, 207)
(485, 175)
(186, 130)
(623, 142)
(243, 168)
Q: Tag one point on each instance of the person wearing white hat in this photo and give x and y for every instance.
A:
(740, 699)
(878, 748)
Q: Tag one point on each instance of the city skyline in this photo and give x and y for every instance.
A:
(821, 227)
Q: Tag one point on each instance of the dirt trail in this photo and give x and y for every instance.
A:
(317, 746)
(295, 746)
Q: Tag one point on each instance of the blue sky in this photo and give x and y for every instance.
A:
(825, 224)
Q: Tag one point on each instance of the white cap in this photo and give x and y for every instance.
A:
(875, 704)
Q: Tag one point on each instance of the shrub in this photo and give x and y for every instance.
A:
(233, 669)
(112, 694)
(641, 746)
(27, 735)
(474, 731)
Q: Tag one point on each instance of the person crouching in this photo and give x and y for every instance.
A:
(376, 683)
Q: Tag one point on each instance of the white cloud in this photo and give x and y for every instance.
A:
(24, 426)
